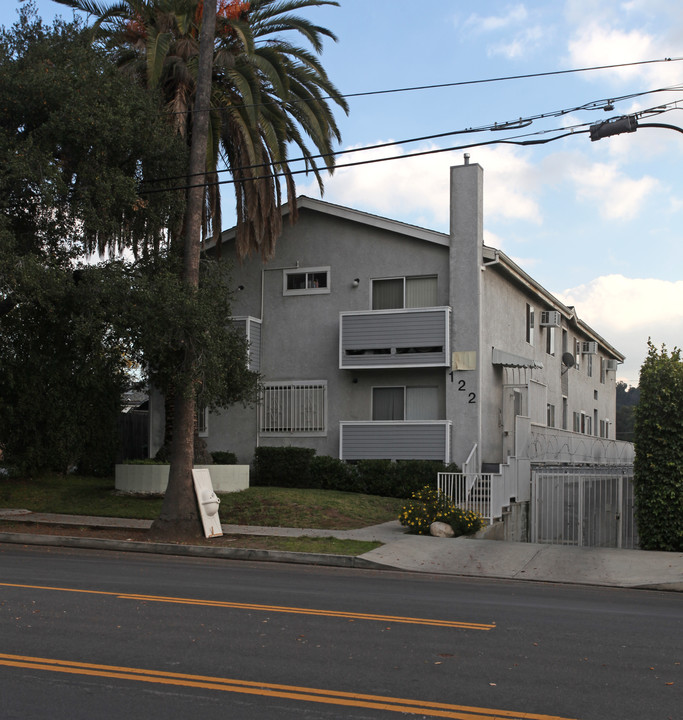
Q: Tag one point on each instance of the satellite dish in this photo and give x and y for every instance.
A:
(568, 359)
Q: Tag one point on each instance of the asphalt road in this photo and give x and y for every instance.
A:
(87, 634)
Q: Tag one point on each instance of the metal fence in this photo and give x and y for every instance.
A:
(469, 491)
(583, 506)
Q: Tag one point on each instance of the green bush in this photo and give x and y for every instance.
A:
(283, 466)
(146, 461)
(413, 475)
(428, 505)
(376, 477)
(328, 473)
(465, 522)
(658, 466)
(223, 457)
(302, 468)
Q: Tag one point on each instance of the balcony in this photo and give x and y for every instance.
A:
(395, 440)
(411, 338)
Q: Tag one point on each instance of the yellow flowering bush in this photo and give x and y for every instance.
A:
(428, 505)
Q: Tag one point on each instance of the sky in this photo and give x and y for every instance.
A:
(598, 224)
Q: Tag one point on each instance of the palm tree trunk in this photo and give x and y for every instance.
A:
(179, 515)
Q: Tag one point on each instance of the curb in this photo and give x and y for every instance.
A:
(301, 558)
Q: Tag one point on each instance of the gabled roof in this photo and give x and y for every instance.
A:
(493, 257)
(377, 221)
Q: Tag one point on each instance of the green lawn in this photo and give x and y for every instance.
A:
(269, 506)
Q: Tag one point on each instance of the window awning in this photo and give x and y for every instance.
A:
(506, 359)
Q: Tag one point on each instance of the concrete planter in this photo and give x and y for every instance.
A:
(153, 479)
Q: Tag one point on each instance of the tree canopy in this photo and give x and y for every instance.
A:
(77, 139)
(269, 94)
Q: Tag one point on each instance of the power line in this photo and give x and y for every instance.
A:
(433, 151)
(460, 83)
(606, 103)
(514, 140)
(512, 77)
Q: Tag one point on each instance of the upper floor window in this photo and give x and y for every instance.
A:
(550, 340)
(306, 281)
(404, 292)
(530, 324)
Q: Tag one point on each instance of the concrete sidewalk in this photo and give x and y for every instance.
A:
(460, 556)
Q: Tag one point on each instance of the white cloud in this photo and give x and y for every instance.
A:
(612, 32)
(514, 16)
(628, 311)
(616, 196)
(597, 45)
(417, 189)
(520, 45)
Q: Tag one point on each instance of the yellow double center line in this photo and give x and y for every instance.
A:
(290, 692)
(268, 608)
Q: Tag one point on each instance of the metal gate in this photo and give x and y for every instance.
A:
(583, 506)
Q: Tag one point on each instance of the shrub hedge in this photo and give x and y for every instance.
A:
(302, 468)
(658, 466)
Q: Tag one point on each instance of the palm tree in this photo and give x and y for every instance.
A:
(269, 95)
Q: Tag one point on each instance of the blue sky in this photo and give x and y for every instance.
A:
(600, 224)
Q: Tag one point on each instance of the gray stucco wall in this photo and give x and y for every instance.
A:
(300, 333)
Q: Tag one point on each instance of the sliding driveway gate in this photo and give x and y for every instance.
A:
(583, 506)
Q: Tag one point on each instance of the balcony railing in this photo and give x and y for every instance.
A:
(414, 337)
(395, 440)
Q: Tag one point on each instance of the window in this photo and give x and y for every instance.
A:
(530, 324)
(603, 368)
(202, 419)
(564, 413)
(404, 292)
(577, 354)
(306, 281)
(604, 428)
(550, 340)
(294, 408)
(587, 424)
(577, 422)
(589, 365)
(405, 403)
(550, 422)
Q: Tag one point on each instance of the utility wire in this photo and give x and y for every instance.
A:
(458, 83)
(565, 132)
(512, 77)
(434, 151)
(515, 124)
